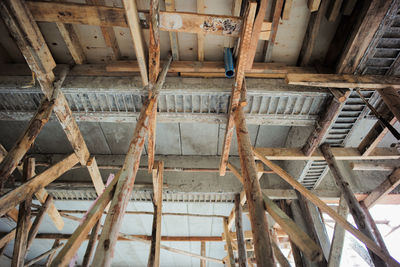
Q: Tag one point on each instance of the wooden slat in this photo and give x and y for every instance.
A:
(71, 40)
(16, 196)
(324, 208)
(24, 218)
(25, 141)
(91, 245)
(286, 9)
(241, 66)
(270, 42)
(158, 177)
(203, 253)
(311, 35)
(242, 255)
(313, 5)
(173, 36)
(362, 35)
(259, 224)
(95, 175)
(334, 10)
(132, 17)
(200, 36)
(236, 7)
(231, 257)
(112, 16)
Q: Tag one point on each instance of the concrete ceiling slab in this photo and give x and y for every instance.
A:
(168, 139)
(199, 138)
(94, 137)
(253, 132)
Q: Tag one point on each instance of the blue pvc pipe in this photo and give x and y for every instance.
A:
(228, 63)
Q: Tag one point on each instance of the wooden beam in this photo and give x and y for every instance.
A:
(270, 42)
(43, 255)
(283, 262)
(126, 181)
(200, 36)
(115, 17)
(335, 253)
(203, 253)
(72, 41)
(95, 175)
(366, 82)
(158, 176)
(16, 196)
(241, 66)
(333, 214)
(392, 99)
(311, 34)
(355, 166)
(51, 256)
(383, 189)
(231, 257)
(24, 218)
(286, 9)
(334, 10)
(313, 5)
(173, 36)
(25, 141)
(132, 17)
(362, 35)
(258, 219)
(239, 233)
(38, 220)
(354, 207)
(91, 244)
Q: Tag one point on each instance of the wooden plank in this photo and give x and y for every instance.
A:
(339, 153)
(43, 255)
(231, 257)
(91, 245)
(126, 182)
(132, 17)
(383, 189)
(354, 207)
(242, 255)
(311, 34)
(236, 7)
(51, 256)
(286, 9)
(241, 66)
(335, 253)
(95, 175)
(16, 196)
(38, 220)
(362, 35)
(229, 26)
(392, 99)
(25, 141)
(24, 218)
(173, 36)
(71, 40)
(158, 177)
(366, 82)
(313, 5)
(334, 10)
(200, 36)
(355, 166)
(324, 208)
(255, 34)
(270, 42)
(259, 224)
(203, 253)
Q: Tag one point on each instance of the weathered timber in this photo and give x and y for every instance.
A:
(262, 245)
(283, 262)
(270, 42)
(91, 245)
(173, 36)
(314, 5)
(286, 9)
(392, 99)
(334, 10)
(355, 166)
(354, 207)
(16, 196)
(255, 34)
(71, 40)
(95, 174)
(44, 255)
(200, 36)
(203, 253)
(239, 233)
(51, 256)
(231, 257)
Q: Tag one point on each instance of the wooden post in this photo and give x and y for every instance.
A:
(231, 257)
(51, 256)
(38, 220)
(154, 258)
(392, 99)
(24, 216)
(335, 253)
(239, 233)
(203, 253)
(355, 208)
(25, 141)
(262, 245)
(91, 245)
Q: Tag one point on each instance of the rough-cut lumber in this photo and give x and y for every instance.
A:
(366, 82)
(158, 177)
(173, 36)
(270, 42)
(95, 175)
(355, 166)
(283, 262)
(255, 34)
(286, 9)
(38, 220)
(24, 142)
(126, 179)
(132, 17)
(392, 99)
(327, 118)
(200, 36)
(334, 9)
(324, 208)
(51, 256)
(258, 219)
(383, 189)
(239, 233)
(111, 16)
(231, 257)
(354, 207)
(44, 255)
(313, 5)
(91, 245)
(24, 218)
(71, 40)
(311, 35)
(362, 35)
(335, 252)
(339, 153)
(240, 67)
(16, 196)
(203, 253)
